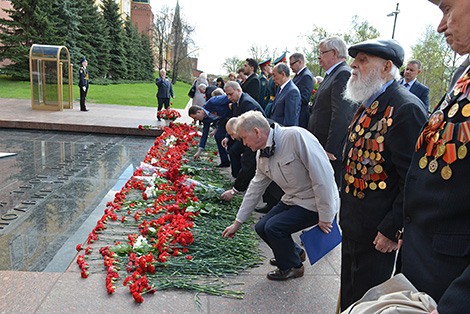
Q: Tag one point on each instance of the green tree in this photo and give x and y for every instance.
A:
(132, 46)
(439, 62)
(31, 22)
(94, 43)
(360, 31)
(161, 37)
(232, 64)
(312, 50)
(68, 21)
(147, 60)
(113, 25)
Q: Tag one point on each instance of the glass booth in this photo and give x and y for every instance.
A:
(51, 77)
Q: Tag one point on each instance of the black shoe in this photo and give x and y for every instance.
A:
(84, 109)
(264, 209)
(224, 164)
(286, 274)
(303, 257)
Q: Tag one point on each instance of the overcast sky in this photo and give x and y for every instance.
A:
(229, 28)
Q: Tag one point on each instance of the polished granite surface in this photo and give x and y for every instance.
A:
(52, 185)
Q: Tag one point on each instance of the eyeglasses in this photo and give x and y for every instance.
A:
(322, 52)
(294, 62)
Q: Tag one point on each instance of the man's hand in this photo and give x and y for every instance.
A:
(224, 142)
(230, 231)
(211, 134)
(196, 156)
(330, 156)
(84, 88)
(227, 195)
(325, 226)
(384, 244)
(435, 312)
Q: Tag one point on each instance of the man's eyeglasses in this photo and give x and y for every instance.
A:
(294, 62)
(322, 52)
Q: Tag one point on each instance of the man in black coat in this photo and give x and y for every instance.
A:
(330, 113)
(251, 84)
(241, 103)
(436, 242)
(378, 150)
(304, 81)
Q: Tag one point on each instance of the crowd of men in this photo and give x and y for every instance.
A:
(366, 139)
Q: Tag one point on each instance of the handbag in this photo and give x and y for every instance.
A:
(192, 91)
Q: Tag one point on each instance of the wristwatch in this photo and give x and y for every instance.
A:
(233, 192)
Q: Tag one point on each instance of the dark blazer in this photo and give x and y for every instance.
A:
(330, 114)
(422, 92)
(305, 83)
(436, 243)
(245, 157)
(165, 89)
(251, 86)
(209, 90)
(380, 209)
(286, 106)
(245, 103)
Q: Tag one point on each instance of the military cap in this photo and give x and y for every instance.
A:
(388, 49)
(436, 2)
(282, 58)
(83, 60)
(265, 62)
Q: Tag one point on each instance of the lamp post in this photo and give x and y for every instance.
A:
(394, 13)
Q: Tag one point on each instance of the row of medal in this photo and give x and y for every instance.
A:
(363, 168)
(439, 133)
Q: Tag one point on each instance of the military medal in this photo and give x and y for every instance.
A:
(357, 128)
(374, 105)
(453, 110)
(449, 157)
(360, 195)
(436, 120)
(464, 137)
(382, 185)
(433, 166)
(423, 162)
(347, 189)
(466, 111)
(373, 186)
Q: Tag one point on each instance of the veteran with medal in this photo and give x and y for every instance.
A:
(436, 241)
(377, 154)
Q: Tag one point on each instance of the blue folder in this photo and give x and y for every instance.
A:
(318, 244)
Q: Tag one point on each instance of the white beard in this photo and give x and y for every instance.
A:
(363, 87)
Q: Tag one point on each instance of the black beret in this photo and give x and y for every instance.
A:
(388, 49)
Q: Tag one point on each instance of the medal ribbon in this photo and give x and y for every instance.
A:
(464, 132)
(462, 83)
(450, 155)
(448, 132)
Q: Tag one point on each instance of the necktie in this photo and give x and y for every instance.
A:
(407, 85)
(267, 152)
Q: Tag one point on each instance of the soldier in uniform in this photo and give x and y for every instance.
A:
(377, 154)
(436, 240)
(83, 83)
(266, 72)
(271, 89)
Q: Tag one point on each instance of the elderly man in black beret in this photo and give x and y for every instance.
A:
(377, 154)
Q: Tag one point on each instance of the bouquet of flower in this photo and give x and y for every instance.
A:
(168, 114)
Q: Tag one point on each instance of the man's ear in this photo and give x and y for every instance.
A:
(256, 132)
(388, 66)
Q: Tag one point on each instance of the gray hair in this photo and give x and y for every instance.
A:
(233, 84)
(395, 72)
(232, 123)
(202, 86)
(203, 75)
(417, 62)
(282, 67)
(218, 92)
(251, 120)
(337, 44)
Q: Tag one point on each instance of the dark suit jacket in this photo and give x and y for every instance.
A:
(330, 114)
(251, 86)
(380, 209)
(238, 150)
(305, 83)
(286, 106)
(422, 92)
(165, 89)
(436, 243)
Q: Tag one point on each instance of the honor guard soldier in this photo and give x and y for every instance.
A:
(271, 89)
(377, 155)
(266, 72)
(83, 83)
